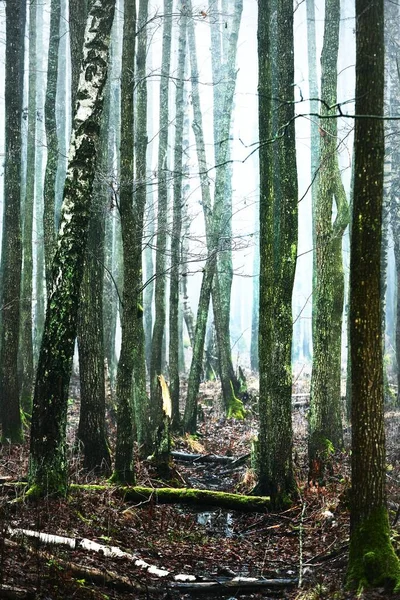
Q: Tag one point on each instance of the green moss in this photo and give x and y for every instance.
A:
(236, 409)
(372, 560)
(184, 496)
(122, 478)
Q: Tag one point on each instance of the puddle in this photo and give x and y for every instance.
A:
(218, 522)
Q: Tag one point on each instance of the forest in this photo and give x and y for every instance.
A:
(200, 313)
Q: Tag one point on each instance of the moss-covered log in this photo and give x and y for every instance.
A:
(184, 496)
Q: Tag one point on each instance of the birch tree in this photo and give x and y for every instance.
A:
(48, 464)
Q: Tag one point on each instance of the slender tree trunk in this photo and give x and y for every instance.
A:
(124, 467)
(11, 255)
(159, 299)
(38, 240)
(52, 140)
(223, 48)
(177, 224)
(215, 220)
(141, 402)
(278, 250)
(256, 295)
(26, 323)
(328, 293)
(48, 467)
(112, 260)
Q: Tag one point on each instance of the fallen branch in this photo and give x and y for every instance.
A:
(190, 496)
(86, 544)
(209, 458)
(237, 585)
(97, 576)
(10, 592)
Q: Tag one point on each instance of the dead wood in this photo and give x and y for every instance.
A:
(89, 545)
(11, 592)
(97, 576)
(237, 585)
(189, 496)
(209, 458)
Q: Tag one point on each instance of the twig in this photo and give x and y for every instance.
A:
(303, 510)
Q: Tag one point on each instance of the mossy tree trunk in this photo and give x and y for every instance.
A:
(48, 467)
(223, 48)
(278, 250)
(11, 255)
(255, 311)
(124, 464)
(372, 561)
(141, 402)
(91, 434)
(173, 363)
(52, 140)
(162, 207)
(26, 324)
(78, 11)
(328, 279)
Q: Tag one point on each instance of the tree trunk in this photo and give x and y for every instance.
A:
(372, 561)
(141, 401)
(26, 323)
(11, 255)
(177, 224)
(159, 298)
(328, 280)
(278, 250)
(52, 140)
(124, 467)
(48, 467)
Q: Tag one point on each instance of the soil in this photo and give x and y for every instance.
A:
(309, 541)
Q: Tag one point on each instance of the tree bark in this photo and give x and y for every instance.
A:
(48, 467)
(11, 255)
(173, 363)
(326, 431)
(372, 561)
(278, 250)
(124, 467)
(26, 324)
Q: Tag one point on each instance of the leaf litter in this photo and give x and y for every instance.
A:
(307, 543)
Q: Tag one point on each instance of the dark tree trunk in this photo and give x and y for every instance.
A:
(11, 255)
(124, 466)
(278, 250)
(372, 561)
(52, 140)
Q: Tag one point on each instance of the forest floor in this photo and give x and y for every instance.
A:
(309, 541)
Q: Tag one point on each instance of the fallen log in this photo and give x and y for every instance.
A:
(11, 592)
(237, 585)
(188, 496)
(91, 546)
(208, 458)
(102, 577)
